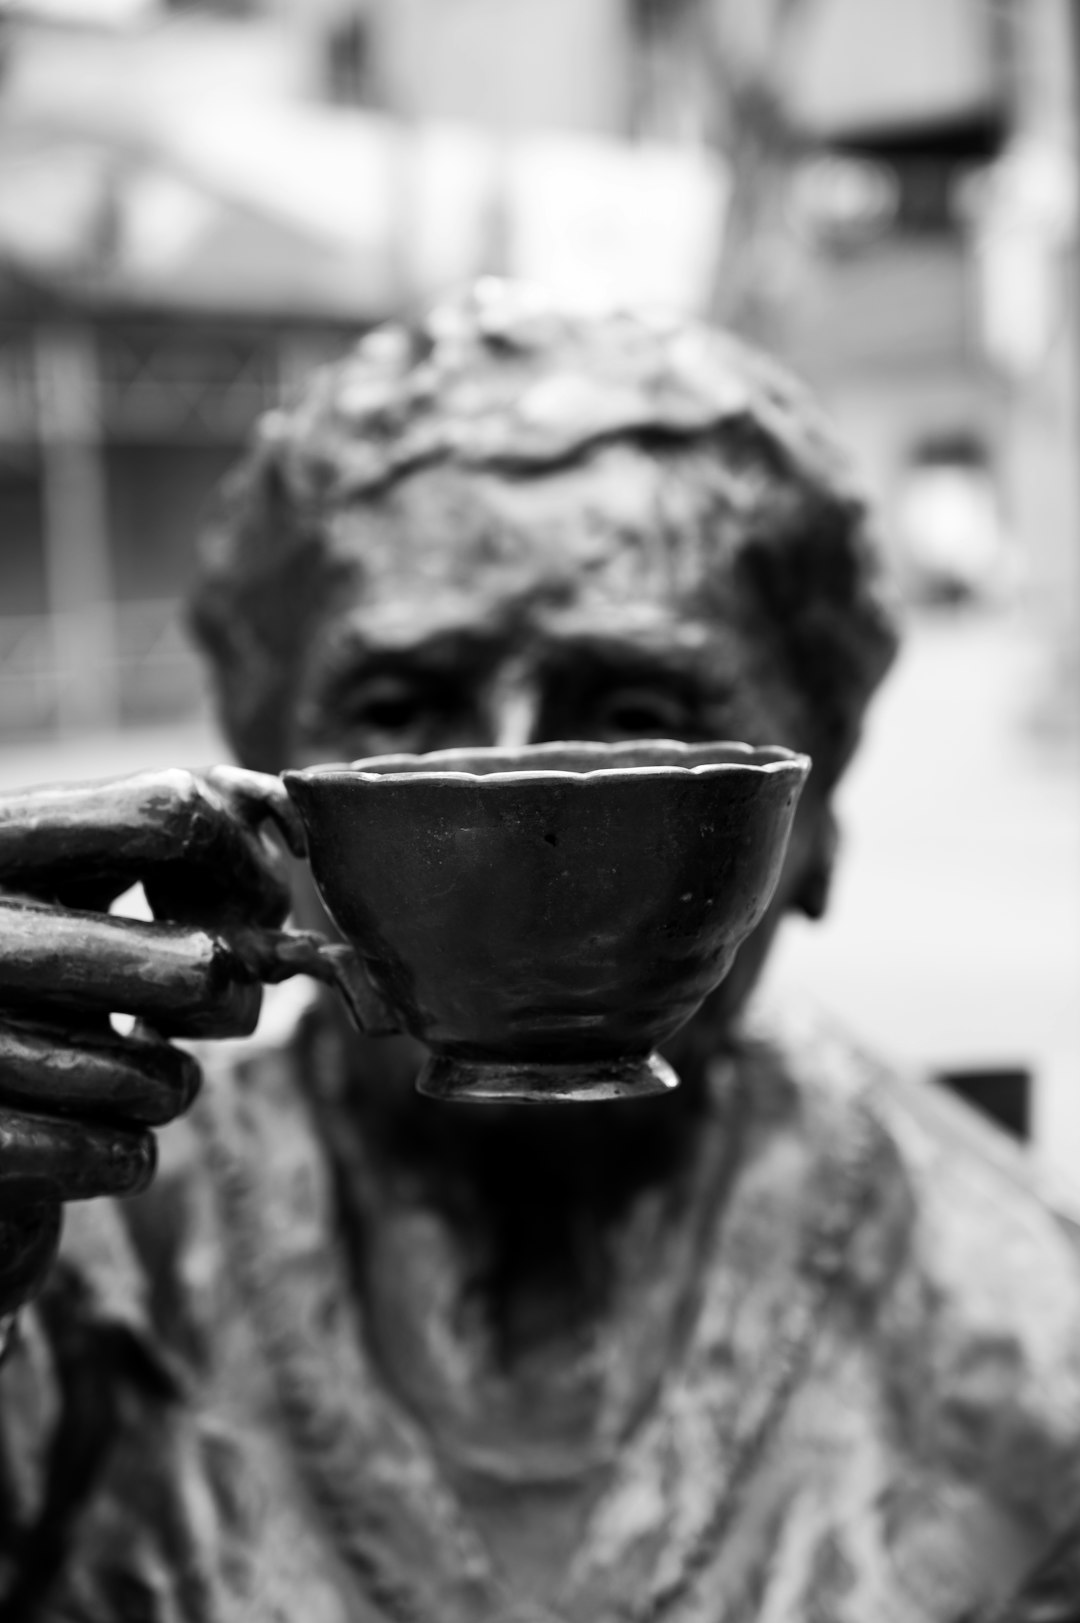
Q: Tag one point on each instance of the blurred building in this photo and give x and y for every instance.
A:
(938, 313)
(198, 201)
(149, 310)
(907, 105)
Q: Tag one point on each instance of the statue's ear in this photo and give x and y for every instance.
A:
(812, 895)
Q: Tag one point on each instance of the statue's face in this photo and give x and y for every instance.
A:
(482, 611)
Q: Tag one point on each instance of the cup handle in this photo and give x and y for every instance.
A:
(277, 955)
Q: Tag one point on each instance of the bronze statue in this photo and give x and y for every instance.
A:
(797, 1341)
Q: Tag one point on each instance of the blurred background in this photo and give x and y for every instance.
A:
(200, 201)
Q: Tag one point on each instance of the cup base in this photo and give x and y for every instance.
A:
(504, 1082)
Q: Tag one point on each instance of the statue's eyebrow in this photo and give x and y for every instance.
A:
(662, 644)
(695, 666)
(357, 650)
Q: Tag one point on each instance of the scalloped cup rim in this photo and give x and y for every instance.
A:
(766, 758)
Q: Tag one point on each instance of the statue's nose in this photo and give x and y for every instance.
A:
(514, 708)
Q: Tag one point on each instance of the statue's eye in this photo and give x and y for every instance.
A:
(642, 712)
(385, 704)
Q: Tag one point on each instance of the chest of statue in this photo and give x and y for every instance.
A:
(821, 1526)
(795, 1459)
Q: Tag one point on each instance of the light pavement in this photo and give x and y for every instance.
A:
(953, 935)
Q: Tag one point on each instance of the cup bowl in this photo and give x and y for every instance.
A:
(543, 918)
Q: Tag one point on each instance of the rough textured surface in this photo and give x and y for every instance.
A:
(795, 1343)
(502, 414)
(863, 1399)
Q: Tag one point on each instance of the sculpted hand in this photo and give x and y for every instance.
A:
(77, 1100)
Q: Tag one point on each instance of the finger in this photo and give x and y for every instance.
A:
(237, 889)
(96, 1076)
(229, 872)
(86, 843)
(71, 1160)
(260, 798)
(29, 1240)
(185, 982)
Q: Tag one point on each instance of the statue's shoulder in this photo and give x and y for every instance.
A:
(967, 1179)
(971, 1264)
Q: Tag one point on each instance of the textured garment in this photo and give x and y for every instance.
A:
(870, 1415)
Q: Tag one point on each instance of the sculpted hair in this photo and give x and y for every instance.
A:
(759, 501)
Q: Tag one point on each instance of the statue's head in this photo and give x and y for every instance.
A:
(516, 523)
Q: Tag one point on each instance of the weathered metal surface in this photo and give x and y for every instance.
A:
(529, 911)
(794, 1340)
